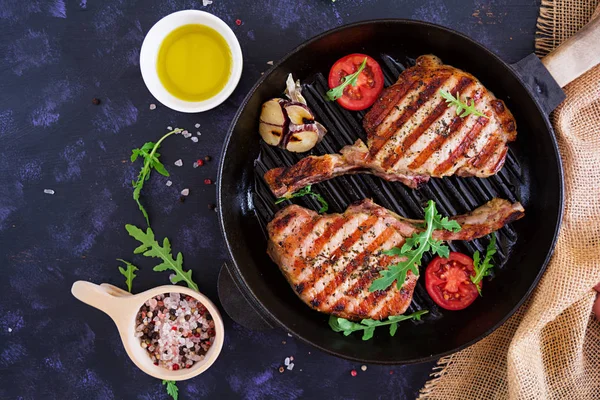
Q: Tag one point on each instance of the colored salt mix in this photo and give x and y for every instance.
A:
(175, 330)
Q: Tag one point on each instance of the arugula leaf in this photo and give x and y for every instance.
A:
(128, 273)
(368, 325)
(483, 268)
(338, 91)
(462, 109)
(172, 389)
(151, 248)
(150, 157)
(307, 191)
(412, 256)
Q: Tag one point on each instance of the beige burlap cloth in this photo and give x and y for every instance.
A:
(550, 349)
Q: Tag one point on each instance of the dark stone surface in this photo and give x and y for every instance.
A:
(55, 57)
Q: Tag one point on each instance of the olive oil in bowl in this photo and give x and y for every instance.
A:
(194, 62)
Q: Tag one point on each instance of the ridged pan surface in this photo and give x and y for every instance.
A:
(531, 175)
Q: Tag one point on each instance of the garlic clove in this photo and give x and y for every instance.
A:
(299, 113)
(271, 134)
(272, 112)
(302, 138)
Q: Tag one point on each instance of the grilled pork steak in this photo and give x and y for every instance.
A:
(413, 134)
(331, 260)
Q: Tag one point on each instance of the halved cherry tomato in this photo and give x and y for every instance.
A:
(368, 85)
(448, 281)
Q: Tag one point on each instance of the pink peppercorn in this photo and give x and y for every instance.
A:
(208, 181)
(353, 372)
(238, 22)
(175, 367)
(200, 162)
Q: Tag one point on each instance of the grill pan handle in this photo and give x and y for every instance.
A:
(576, 55)
(237, 304)
(573, 58)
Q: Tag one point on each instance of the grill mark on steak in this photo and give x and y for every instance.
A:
(354, 263)
(301, 263)
(488, 151)
(319, 272)
(359, 285)
(462, 148)
(381, 138)
(441, 107)
(390, 97)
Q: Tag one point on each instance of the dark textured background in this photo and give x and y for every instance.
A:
(55, 56)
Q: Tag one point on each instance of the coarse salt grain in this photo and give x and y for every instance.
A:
(289, 334)
(198, 133)
(48, 191)
(167, 336)
(270, 62)
(153, 106)
(194, 139)
(206, 2)
(186, 134)
(9, 330)
(197, 125)
(169, 183)
(185, 192)
(363, 368)
(290, 367)
(287, 361)
(179, 163)
(169, 128)
(195, 164)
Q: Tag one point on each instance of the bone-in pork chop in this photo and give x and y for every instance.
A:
(331, 260)
(414, 134)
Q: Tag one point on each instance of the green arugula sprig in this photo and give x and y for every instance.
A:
(411, 256)
(368, 325)
(338, 91)
(307, 191)
(151, 248)
(128, 273)
(462, 109)
(150, 156)
(172, 389)
(482, 269)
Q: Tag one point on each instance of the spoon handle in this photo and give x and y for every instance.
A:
(104, 297)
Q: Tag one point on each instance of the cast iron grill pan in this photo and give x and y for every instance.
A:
(452, 195)
(532, 175)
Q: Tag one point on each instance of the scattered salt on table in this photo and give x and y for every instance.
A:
(287, 361)
(169, 183)
(179, 163)
(270, 62)
(169, 128)
(185, 192)
(194, 139)
(198, 133)
(152, 106)
(363, 368)
(290, 367)
(48, 191)
(186, 134)
(206, 2)
(197, 125)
